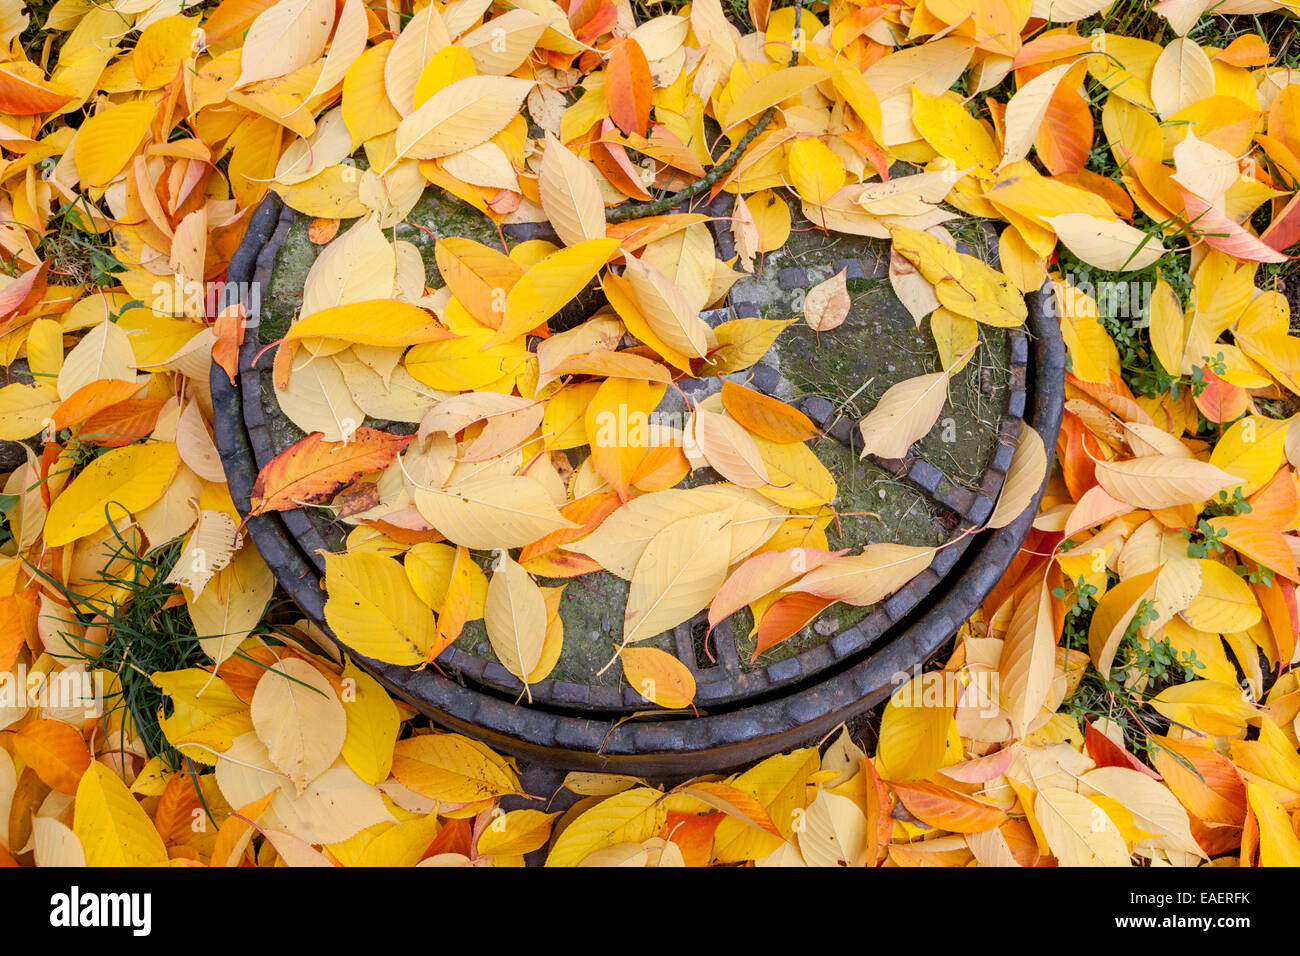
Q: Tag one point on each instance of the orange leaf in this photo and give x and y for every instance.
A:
(55, 751)
(663, 467)
(734, 802)
(478, 276)
(91, 399)
(312, 470)
(175, 813)
(693, 835)
(628, 87)
(618, 429)
(234, 827)
(455, 606)
(25, 96)
(1278, 602)
(1204, 781)
(947, 809)
(786, 617)
(1275, 504)
(765, 416)
(122, 423)
(615, 165)
(23, 293)
(228, 332)
(1065, 135)
(586, 513)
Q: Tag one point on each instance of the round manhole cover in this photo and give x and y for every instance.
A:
(750, 698)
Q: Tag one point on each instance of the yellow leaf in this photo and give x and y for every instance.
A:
(1028, 655)
(770, 90)
(459, 116)
(372, 726)
(107, 141)
(658, 677)
(113, 828)
(490, 513)
(1253, 449)
(866, 578)
(515, 615)
(366, 107)
(374, 610)
(666, 310)
(232, 603)
(465, 363)
(121, 481)
(569, 194)
(26, 409)
(1224, 603)
(904, 414)
(1107, 244)
(953, 132)
(779, 784)
(742, 342)
(1093, 356)
(402, 844)
(835, 832)
(1162, 481)
(727, 446)
(1024, 477)
(816, 172)
(628, 817)
(913, 734)
(621, 539)
(1278, 844)
(1213, 707)
(1167, 327)
(547, 286)
(797, 477)
(206, 715)
(516, 833)
(1112, 616)
(1125, 67)
(333, 193)
(285, 36)
(429, 568)
(452, 769)
(382, 322)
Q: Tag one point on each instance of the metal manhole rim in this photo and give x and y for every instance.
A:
(746, 731)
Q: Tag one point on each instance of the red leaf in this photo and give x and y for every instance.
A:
(1107, 753)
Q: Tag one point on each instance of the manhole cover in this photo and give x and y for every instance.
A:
(748, 704)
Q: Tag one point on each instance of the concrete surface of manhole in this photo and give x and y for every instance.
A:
(838, 665)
